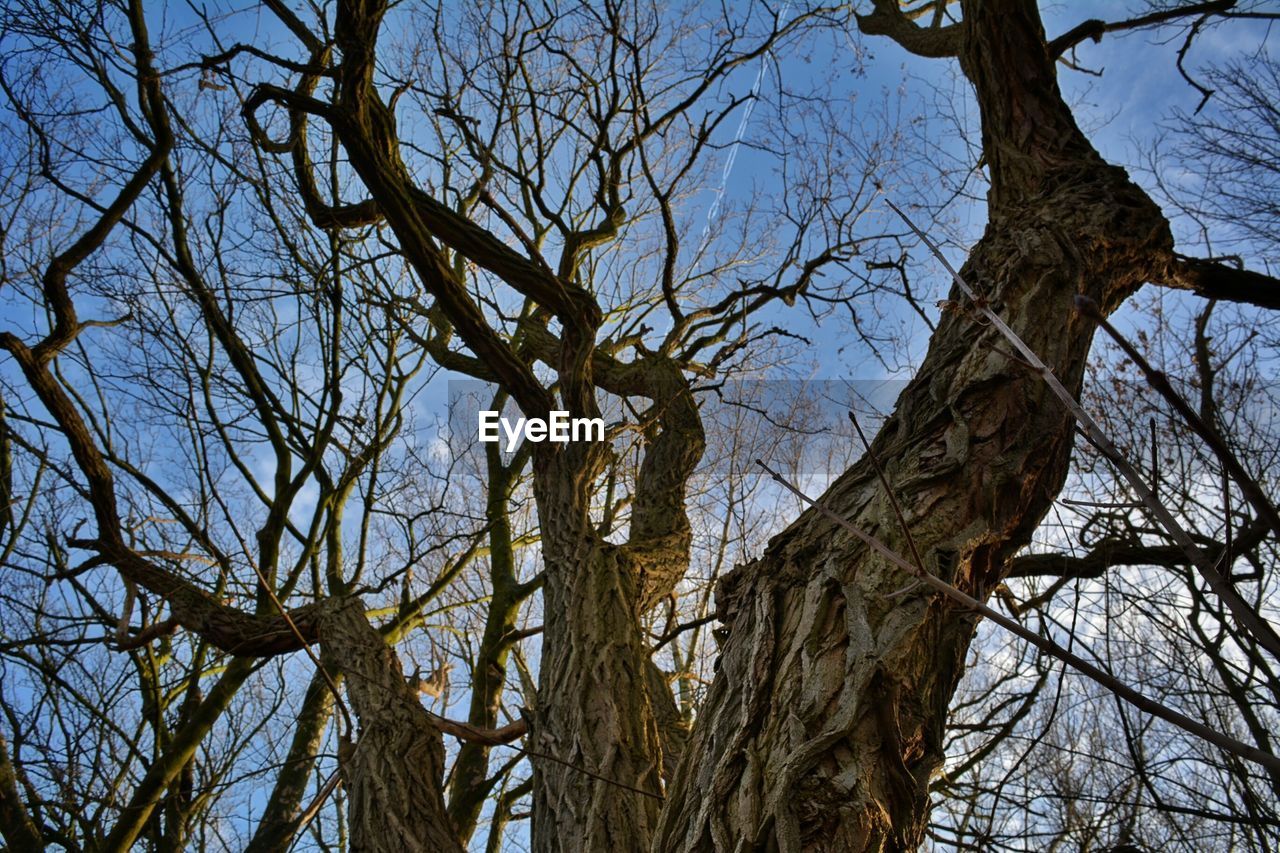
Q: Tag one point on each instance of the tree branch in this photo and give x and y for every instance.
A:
(1095, 28)
(1104, 556)
(1216, 280)
(888, 19)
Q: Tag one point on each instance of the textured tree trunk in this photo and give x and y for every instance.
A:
(606, 730)
(594, 738)
(393, 770)
(824, 725)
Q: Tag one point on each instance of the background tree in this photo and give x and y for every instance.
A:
(1034, 751)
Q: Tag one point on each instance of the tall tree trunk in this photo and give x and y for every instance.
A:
(606, 730)
(824, 725)
(594, 738)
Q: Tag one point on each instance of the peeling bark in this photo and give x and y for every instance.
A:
(824, 724)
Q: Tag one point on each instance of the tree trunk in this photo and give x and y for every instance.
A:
(393, 770)
(823, 728)
(606, 730)
(594, 740)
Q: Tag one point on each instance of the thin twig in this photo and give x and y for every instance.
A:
(884, 482)
(584, 771)
(313, 808)
(680, 629)
(306, 647)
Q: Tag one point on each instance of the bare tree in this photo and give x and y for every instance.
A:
(826, 723)
(268, 344)
(281, 230)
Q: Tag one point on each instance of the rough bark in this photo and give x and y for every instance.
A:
(594, 739)
(393, 771)
(824, 724)
(660, 536)
(606, 729)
